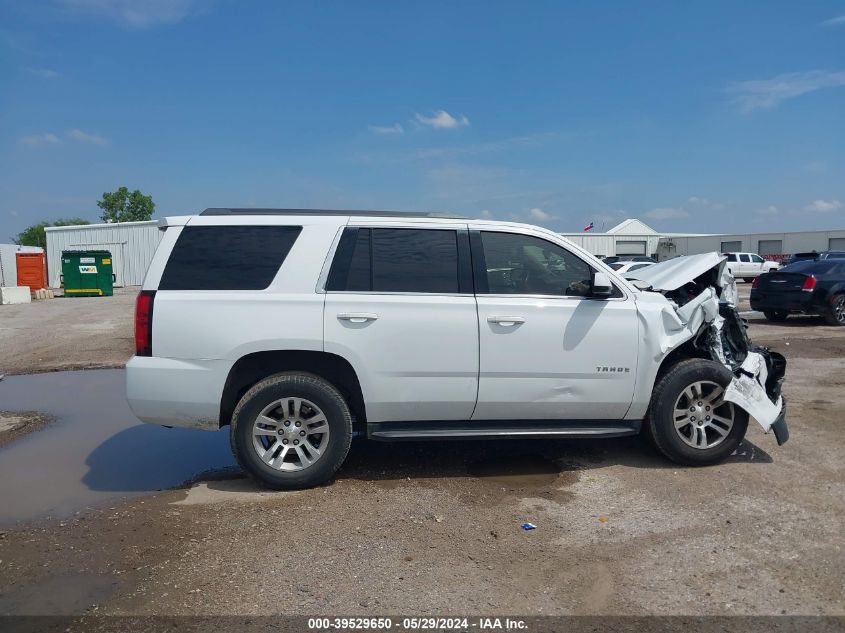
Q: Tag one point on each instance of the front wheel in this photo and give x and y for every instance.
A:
(688, 420)
(291, 431)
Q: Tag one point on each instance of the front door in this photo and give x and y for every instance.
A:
(548, 350)
(399, 307)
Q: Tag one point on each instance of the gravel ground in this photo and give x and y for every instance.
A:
(68, 333)
(434, 528)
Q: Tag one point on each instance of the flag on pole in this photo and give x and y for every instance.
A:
(589, 227)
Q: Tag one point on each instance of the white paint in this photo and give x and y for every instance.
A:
(748, 392)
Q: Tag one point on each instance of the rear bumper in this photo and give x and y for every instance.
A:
(788, 302)
(174, 392)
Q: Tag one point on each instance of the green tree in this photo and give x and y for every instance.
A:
(35, 235)
(123, 206)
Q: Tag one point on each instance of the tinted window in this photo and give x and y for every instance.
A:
(744, 258)
(227, 257)
(810, 266)
(638, 266)
(522, 264)
(396, 260)
(415, 260)
(731, 257)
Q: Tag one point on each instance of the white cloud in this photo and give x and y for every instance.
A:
(83, 137)
(387, 129)
(667, 213)
(704, 202)
(485, 214)
(13, 213)
(442, 120)
(767, 93)
(40, 140)
(44, 73)
(136, 13)
(769, 211)
(823, 206)
(538, 214)
(839, 20)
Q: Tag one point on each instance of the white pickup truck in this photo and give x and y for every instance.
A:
(747, 266)
(300, 328)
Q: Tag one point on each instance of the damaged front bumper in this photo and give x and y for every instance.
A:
(756, 389)
(702, 295)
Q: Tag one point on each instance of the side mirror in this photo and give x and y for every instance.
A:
(601, 285)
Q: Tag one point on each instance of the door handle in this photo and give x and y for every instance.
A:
(357, 317)
(507, 321)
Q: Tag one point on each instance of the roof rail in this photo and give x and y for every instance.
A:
(378, 214)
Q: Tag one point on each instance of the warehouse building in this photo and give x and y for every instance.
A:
(634, 237)
(132, 245)
(776, 246)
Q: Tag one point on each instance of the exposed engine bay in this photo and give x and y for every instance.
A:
(702, 295)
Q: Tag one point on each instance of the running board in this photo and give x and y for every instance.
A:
(501, 429)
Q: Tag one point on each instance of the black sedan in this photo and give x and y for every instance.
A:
(805, 287)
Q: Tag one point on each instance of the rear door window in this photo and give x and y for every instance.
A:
(403, 260)
(227, 257)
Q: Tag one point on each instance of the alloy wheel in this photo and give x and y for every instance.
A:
(702, 418)
(290, 434)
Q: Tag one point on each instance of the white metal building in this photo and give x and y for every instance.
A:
(773, 245)
(630, 237)
(132, 245)
(9, 262)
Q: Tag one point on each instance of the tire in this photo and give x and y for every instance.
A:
(303, 401)
(776, 315)
(748, 280)
(720, 439)
(835, 315)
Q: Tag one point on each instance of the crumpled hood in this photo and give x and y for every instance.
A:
(674, 273)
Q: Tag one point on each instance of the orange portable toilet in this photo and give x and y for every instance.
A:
(32, 270)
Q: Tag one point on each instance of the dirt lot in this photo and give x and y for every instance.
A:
(67, 333)
(435, 528)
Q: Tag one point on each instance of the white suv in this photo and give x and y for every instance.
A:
(747, 266)
(299, 328)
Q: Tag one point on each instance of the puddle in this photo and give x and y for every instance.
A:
(96, 450)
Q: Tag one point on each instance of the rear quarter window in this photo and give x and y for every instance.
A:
(227, 257)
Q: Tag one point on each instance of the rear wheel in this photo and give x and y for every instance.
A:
(836, 314)
(688, 420)
(291, 431)
(776, 315)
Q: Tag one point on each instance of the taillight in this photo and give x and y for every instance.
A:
(144, 323)
(809, 284)
(755, 283)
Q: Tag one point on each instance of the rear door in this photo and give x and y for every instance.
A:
(548, 349)
(400, 307)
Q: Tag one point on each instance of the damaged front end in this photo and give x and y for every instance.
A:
(702, 297)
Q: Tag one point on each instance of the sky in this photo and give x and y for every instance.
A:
(710, 116)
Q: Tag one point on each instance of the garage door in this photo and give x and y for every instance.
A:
(732, 247)
(836, 244)
(770, 247)
(630, 248)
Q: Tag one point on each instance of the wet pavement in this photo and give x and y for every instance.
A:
(95, 450)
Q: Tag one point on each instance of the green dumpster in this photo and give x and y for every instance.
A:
(87, 274)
